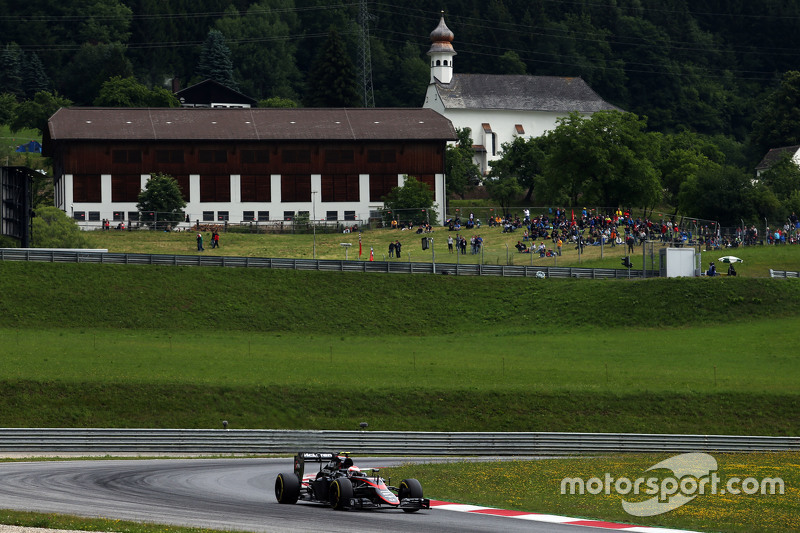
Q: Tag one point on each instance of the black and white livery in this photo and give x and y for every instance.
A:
(342, 485)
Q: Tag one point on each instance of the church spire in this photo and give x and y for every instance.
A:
(441, 53)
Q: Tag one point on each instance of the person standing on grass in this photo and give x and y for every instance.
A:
(450, 244)
(397, 249)
(200, 242)
(216, 239)
(391, 249)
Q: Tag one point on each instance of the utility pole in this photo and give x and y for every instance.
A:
(365, 56)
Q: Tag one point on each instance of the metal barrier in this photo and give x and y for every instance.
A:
(783, 274)
(264, 441)
(401, 267)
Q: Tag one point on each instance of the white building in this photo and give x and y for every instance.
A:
(499, 107)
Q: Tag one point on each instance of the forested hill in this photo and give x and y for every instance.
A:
(701, 64)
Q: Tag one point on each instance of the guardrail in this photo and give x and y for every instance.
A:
(401, 267)
(783, 274)
(264, 441)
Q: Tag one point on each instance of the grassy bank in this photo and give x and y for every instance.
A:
(103, 345)
(535, 486)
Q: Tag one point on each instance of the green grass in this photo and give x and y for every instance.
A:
(96, 345)
(498, 249)
(535, 486)
(54, 521)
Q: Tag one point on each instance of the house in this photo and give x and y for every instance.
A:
(210, 93)
(777, 154)
(244, 165)
(498, 108)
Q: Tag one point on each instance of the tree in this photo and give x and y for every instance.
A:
(34, 78)
(603, 160)
(215, 61)
(719, 194)
(683, 155)
(778, 124)
(504, 189)
(263, 48)
(35, 113)
(52, 228)
(8, 108)
(277, 101)
(522, 158)
(11, 70)
(510, 63)
(413, 202)
(91, 66)
(461, 171)
(332, 81)
(127, 92)
(161, 200)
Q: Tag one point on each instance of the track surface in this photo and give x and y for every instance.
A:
(219, 494)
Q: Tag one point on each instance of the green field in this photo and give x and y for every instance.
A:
(498, 249)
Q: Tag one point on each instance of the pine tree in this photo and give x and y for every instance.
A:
(332, 81)
(11, 70)
(215, 61)
(34, 78)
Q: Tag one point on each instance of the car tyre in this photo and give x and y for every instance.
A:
(287, 488)
(340, 492)
(410, 488)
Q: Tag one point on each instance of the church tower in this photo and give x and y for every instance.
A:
(441, 53)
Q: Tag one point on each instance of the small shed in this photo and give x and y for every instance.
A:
(678, 262)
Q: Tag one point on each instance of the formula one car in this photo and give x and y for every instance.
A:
(342, 485)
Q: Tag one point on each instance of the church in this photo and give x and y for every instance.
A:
(497, 108)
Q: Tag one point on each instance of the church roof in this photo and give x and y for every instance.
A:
(442, 39)
(775, 155)
(520, 93)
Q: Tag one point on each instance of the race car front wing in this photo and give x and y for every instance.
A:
(405, 503)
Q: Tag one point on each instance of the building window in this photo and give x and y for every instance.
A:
(118, 216)
(349, 215)
(332, 216)
(212, 156)
(183, 183)
(94, 216)
(255, 156)
(296, 156)
(340, 188)
(248, 216)
(263, 216)
(296, 188)
(222, 216)
(79, 215)
(339, 156)
(381, 156)
(380, 185)
(169, 156)
(255, 188)
(208, 216)
(288, 216)
(125, 187)
(126, 156)
(86, 188)
(215, 188)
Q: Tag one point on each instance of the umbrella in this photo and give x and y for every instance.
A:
(730, 259)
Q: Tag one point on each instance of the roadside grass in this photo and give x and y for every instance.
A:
(535, 486)
(77, 523)
(498, 249)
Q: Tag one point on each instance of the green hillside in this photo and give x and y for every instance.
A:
(132, 346)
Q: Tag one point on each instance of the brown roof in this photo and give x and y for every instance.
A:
(202, 124)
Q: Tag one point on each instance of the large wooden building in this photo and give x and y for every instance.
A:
(244, 165)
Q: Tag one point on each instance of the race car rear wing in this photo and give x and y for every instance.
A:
(301, 458)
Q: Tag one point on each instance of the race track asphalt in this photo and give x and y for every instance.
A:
(225, 494)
